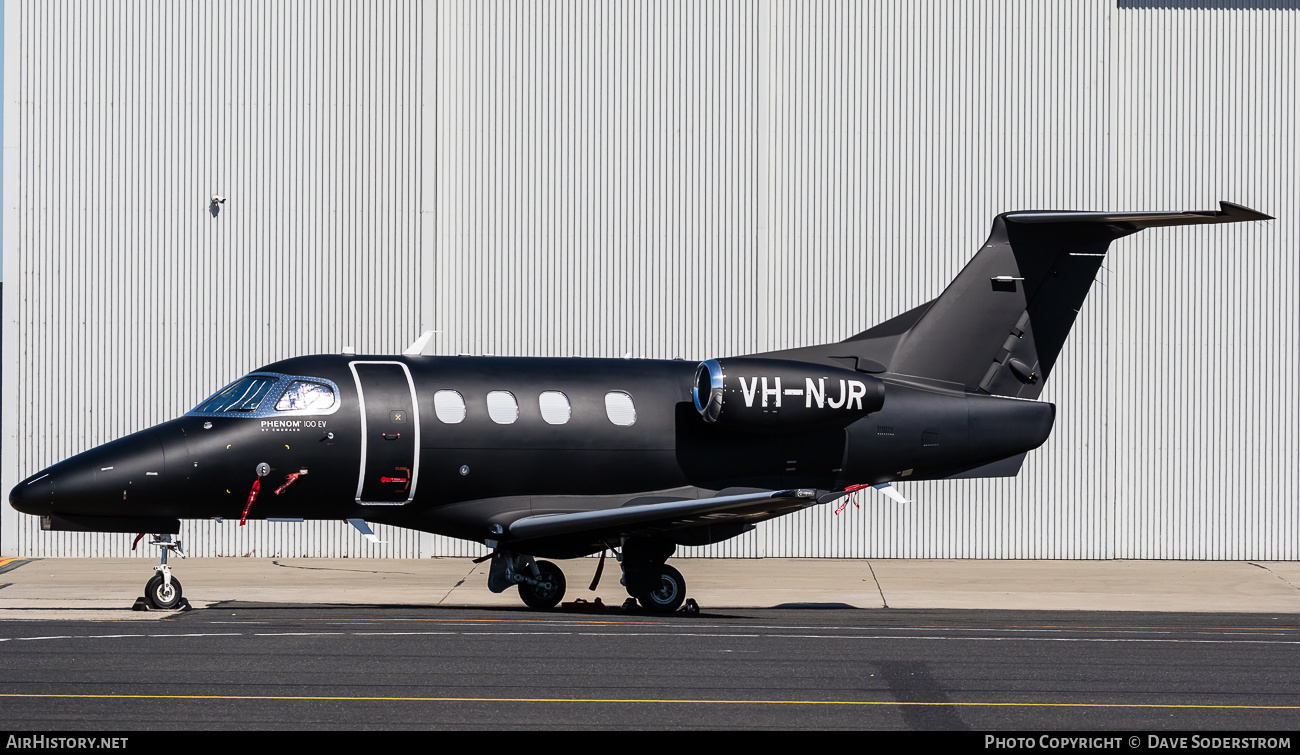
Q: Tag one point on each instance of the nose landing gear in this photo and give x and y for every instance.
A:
(163, 591)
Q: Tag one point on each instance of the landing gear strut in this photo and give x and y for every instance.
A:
(541, 583)
(163, 590)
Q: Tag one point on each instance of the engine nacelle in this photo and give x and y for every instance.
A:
(753, 392)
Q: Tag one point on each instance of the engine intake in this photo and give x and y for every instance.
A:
(753, 392)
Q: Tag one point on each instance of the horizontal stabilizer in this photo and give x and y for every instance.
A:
(1125, 223)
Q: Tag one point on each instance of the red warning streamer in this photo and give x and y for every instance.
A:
(850, 490)
(252, 496)
(293, 476)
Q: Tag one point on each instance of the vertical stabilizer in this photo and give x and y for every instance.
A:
(1000, 325)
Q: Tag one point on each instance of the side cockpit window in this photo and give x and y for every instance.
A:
(241, 396)
(302, 395)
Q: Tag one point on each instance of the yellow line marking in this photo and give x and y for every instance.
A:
(648, 700)
(1064, 626)
(4, 561)
(498, 621)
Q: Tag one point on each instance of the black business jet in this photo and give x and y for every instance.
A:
(566, 457)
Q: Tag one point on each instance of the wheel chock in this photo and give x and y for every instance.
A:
(142, 604)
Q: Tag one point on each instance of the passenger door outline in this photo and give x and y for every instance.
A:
(414, 412)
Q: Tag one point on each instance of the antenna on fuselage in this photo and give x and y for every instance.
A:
(364, 529)
(417, 348)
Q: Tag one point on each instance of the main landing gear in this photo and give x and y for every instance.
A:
(658, 587)
(163, 590)
(661, 591)
(541, 583)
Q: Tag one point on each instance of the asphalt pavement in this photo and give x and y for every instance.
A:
(253, 667)
(313, 644)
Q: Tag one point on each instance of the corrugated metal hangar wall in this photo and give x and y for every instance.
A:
(666, 179)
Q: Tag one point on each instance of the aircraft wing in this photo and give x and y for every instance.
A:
(663, 516)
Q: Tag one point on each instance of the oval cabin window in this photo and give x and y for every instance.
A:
(502, 407)
(449, 406)
(619, 408)
(555, 407)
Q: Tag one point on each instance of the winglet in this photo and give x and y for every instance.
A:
(1236, 212)
(417, 348)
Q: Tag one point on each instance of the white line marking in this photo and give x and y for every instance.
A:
(298, 634)
(199, 634)
(675, 633)
(371, 634)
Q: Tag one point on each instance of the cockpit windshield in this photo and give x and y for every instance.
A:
(243, 396)
(272, 394)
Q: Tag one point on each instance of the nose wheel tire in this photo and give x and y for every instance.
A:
(547, 595)
(666, 591)
(164, 596)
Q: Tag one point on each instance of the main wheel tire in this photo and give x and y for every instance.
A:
(666, 592)
(165, 597)
(537, 597)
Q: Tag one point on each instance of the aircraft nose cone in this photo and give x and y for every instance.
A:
(35, 495)
(122, 478)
